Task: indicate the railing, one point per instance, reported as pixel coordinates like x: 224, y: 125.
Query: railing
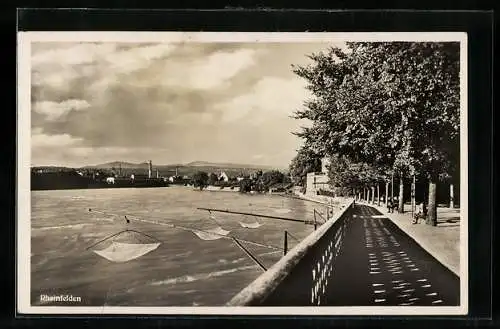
x: 301, y: 277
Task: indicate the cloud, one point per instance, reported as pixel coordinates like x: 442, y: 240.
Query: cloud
x: 270, y: 98
x: 55, y: 110
x: 42, y: 140
x: 169, y: 102
x: 64, y: 54
x: 133, y: 59
x: 219, y: 68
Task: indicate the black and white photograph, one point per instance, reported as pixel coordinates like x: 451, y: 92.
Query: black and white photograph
x: 242, y: 173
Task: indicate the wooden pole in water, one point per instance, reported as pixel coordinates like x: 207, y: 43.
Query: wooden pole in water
x: 248, y: 253
x: 256, y: 215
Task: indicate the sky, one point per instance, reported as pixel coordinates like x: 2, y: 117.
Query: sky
x: 171, y: 103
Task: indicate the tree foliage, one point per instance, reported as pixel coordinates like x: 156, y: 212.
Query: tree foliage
x: 212, y: 179
x: 390, y: 106
x: 304, y: 162
x: 200, y: 179
x: 393, y: 105
x: 343, y: 173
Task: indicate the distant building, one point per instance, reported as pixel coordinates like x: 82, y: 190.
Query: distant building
x: 317, y: 181
x: 139, y: 176
x: 223, y: 177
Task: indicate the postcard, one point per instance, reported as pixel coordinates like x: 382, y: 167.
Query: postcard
x: 242, y: 173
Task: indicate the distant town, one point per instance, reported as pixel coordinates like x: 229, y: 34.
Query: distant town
x: 200, y: 175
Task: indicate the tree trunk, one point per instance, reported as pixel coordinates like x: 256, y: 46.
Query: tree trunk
x: 452, y: 200
x: 386, y: 192
x: 401, y: 194
x: 378, y: 194
x: 392, y: 188
x: 413, y: 204
x: 431, y: 208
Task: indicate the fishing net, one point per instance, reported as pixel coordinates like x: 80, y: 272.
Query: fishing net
x: 212, y: 234
x: 253, y: 225
x: 120, y: 252
x: 125, y: 246
x: 283, y: 211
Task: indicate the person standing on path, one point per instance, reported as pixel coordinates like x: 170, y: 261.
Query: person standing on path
x: 421, y: 212
x: 390, y: 206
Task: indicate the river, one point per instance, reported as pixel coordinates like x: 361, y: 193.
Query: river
x: 183, y: 271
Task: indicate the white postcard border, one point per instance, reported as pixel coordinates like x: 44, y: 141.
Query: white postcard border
x: 23, y: 277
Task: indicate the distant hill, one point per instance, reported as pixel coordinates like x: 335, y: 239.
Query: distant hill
x: 197, y: 164
x: 226, y: 165
x: 116, y: 164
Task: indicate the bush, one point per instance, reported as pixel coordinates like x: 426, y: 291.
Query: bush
x: 326, y: 193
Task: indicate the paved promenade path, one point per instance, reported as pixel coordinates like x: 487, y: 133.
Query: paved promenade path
x: 380, y: 265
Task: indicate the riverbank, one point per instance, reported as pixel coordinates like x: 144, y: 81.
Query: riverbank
x: 212, y: 188
x: 322, y: 199
x: 74, y: 181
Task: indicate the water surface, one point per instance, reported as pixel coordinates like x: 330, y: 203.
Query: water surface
x: 183, y: 271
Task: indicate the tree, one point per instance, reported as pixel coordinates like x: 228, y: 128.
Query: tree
x: 245, y: 185
x: 212, y: 179
x: 200, y: 179
x: 394, y: 106
x: 304, y: 162
x: 272, y: 177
